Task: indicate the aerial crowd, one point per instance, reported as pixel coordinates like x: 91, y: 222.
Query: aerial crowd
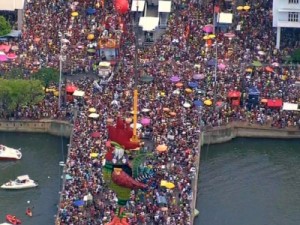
x: 178, y: 99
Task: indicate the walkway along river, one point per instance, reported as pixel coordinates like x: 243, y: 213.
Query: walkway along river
x: 216, y: 135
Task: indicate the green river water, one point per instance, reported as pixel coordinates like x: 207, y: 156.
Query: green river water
x: 250, y: 182
x: 41, y: 156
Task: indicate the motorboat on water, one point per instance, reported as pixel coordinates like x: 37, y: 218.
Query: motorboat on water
x: 13, y: 219
x: 22, y: 182
x: 5, y: 223
x: 9, y: 153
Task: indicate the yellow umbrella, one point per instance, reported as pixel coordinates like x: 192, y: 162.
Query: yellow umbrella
x: 163, y: 94
x: 74, y: 14
x: 94, y: 155
x: 161, y: 148
x: 211, y: 36
x: 249, y: 70
x: 188, y: 90
x: 90, y: 36
x: 247, y: 7
x: 166, y: 184
x: 92, y: 110
x: 240, y: 8
x: 206, y: 37
x: 56, y: 93
x: 208, y: 102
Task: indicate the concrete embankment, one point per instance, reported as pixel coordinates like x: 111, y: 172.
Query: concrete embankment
x: 53, y: 127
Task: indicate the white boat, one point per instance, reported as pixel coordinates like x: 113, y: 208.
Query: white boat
x: 5, y: 223
x: 9, y: 153
x: 21, y: 182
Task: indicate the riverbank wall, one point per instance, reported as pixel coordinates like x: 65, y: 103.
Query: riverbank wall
x: 53, y: 127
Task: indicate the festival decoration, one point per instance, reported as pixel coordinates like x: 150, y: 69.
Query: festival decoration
x: 122, y: 6
x: 123, y: 169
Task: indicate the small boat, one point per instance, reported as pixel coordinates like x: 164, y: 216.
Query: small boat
x: 5, y: 223
x: 9, y: 153
x: 28, y: 212
x: 13, y: 219
x: 21, y: 182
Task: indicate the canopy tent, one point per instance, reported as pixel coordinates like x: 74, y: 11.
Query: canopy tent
x: 225, y: 18
x: 149, y: 23
x: 290, y: 106
x: 253, y: 91
x: 274, y: 103
x: 137, y: 5
x: 13, y: 34
x: 234, y: 94
x: 78, y: 93
x: 164, y: 6
x: 11, y: 5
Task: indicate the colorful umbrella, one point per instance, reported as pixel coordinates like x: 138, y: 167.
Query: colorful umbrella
x: 256, y: 63
x: 145, y: 121
x: 94, y: 115
x: 188, y: 90
x: 198, y: 76
x: 246, y: 7
x: 208, y: 28
x: 3, y: 58
x: 71, y: 89
x: 11, y: 55
x: 78, y: 203
x: 269, y: 69
x: 161, y: 148
x: 146, y: 110
x: 186, y: 105
x: 92, y: 110
x: 138, y: 125
x: 94, y: 155
x: 175, y: 79
x: 179, y: 84
x: 90, y: 36
x: 208, y: 102
x: 193, y: 84
x: 221, y: 66
x: 90, y: 11
x: 276, y: 64
x: 74, y: 14
x: 4, y: 48
x: 229, y: 35
x: 198, y: 103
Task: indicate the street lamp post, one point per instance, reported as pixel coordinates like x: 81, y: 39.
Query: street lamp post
x: 135, y: 92
x: 62, y: 58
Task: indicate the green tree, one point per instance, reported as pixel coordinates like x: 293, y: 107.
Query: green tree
x: 46, y: 76
x: 295, y: 57
x: 19, y: 92
x: 5, y: 27
x: 14, y: 73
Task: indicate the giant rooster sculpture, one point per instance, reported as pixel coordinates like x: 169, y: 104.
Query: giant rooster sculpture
x: 122, y: 169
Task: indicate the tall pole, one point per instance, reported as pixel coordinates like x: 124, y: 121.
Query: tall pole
x: 60, y: 74
x: 135, y: 137
x: 216, y: 60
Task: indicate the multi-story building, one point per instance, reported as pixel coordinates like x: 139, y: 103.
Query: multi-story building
x: 286, y: 13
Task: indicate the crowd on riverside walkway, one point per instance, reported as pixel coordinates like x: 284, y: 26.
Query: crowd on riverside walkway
x: 180, y: 52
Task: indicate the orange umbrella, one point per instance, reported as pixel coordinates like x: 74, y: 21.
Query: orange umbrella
x: 172, y: 113
x: 37, y: 39
x: 179, y: 84
x: 269, y: 69
x: 161, y: 148
x: 264, y: 100
x: 188, y: 90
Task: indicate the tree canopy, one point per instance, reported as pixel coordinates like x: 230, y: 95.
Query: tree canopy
x: 19, y: 92
x: 46, y: 76
x: 5, y: 27
x: 296, y: 56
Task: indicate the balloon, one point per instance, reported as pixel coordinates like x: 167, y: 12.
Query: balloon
x: 122, y: 6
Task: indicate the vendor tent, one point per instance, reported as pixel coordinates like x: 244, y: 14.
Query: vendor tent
x: 149, y: 23
x: 291, y: 106
x: 274, y: 103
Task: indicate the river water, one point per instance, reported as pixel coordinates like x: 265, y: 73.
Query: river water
x: 250, y: 182
x: 41, y: 156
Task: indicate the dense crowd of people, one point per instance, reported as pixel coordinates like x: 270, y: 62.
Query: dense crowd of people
x: 172, y: 62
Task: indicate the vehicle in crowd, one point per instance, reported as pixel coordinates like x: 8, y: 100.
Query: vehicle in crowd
x: 22, y: 182
x: 104, y: 69
x: 7, y: 153
x: 13, y: 219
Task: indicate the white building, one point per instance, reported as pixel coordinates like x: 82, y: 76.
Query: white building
x: 286, y: 13
x: 12, y: 5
